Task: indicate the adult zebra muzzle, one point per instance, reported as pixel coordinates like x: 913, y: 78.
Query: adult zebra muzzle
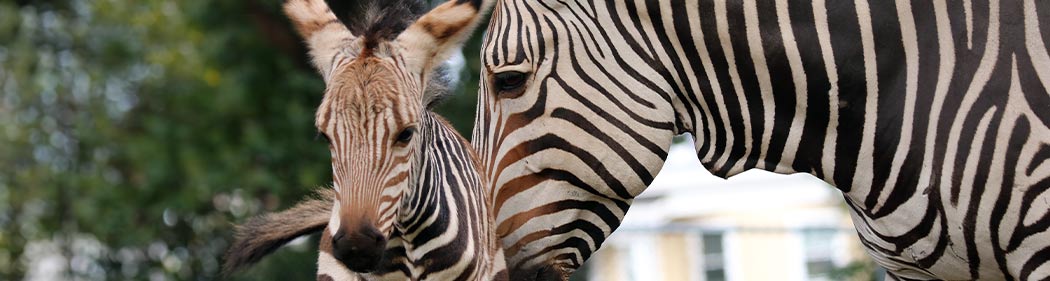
x: 361, y: 249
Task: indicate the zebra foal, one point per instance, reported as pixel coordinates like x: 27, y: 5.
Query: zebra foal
x: 408, y: 201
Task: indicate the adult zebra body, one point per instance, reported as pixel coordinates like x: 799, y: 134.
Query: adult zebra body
x: 409, y: 202
x: 930, y: 116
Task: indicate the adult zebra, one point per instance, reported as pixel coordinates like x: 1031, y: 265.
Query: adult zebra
x: 930, y: 116
x: 409, y: 202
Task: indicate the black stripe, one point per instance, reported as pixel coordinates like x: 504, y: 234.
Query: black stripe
x: 746, y: 69
x: 810, y: 152
x: 849, y: 62
x: 889, y: 55
x: 781, y: 81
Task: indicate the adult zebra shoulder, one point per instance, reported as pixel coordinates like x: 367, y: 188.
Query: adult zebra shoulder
x: 408, y: 201
x: 930, y: 116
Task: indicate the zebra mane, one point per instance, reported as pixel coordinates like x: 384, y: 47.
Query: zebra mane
x: 382, y: 20
x: 377, y: 20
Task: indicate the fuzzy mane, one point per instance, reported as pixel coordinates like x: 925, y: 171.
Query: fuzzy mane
x: 382, y: 20
x: 377, y: 20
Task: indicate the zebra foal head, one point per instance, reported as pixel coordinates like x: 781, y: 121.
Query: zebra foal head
x: 377, y: 63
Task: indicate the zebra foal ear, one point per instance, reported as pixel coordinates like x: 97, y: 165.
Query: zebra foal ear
x: 325, y: 35
x: 431, y: 38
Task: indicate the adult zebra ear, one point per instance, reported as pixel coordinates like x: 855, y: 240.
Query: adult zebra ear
x: 325, y: 35
x: 429, y: 41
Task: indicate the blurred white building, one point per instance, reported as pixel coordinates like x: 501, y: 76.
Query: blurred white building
x: 692, y: 226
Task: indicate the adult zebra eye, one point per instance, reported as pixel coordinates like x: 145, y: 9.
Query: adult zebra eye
x: 405, y: 135
x: 509, y: 81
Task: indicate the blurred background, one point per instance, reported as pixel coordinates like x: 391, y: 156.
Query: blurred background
x: 133, y: 134
x: 692, y: 226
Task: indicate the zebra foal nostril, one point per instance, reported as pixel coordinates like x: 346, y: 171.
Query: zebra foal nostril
x: 338, y: 237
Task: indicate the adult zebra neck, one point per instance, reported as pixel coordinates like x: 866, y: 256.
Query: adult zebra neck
x: 761, y: 84
x: 918, y: 111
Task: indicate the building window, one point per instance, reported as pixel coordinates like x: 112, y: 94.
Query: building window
x: 819, y: 254
x: 714, y: 257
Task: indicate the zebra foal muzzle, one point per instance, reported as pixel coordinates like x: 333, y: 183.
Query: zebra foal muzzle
x: 360, y: 249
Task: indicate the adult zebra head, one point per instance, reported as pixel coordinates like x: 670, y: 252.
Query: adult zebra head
x: 376, y: 65
x: 571, y: 125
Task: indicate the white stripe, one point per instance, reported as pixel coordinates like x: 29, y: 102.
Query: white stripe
x: 972, y: 160
x: 981, y: 77
x: 862, y: 176
x: 705, y: 60
x: 679, y: 52
x: 798, y: 75
x: 621, y: 9
x: 1036, y: 48
x: 723, y: 34
x: 820, y: 17
x: 758, y: 57
x: 911, y: 60
x: 945, y: 69
x: 328, y: 265
x: 333, y: 221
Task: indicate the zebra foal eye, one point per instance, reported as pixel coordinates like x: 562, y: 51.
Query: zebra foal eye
x: 405, y: 135
x: 509, y: 83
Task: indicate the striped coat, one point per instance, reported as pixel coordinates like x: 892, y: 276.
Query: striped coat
x: 930, y: 116
x: 408, y: 201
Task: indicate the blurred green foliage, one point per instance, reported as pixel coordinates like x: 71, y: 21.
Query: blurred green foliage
x: 133, y: 134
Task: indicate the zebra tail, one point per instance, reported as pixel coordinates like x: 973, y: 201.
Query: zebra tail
x: 263, y: 234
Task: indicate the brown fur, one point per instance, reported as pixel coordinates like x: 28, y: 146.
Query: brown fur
x: 367, y: 98
x: 366, y: 86
x: 377, y: 20
x: 263, y: 234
